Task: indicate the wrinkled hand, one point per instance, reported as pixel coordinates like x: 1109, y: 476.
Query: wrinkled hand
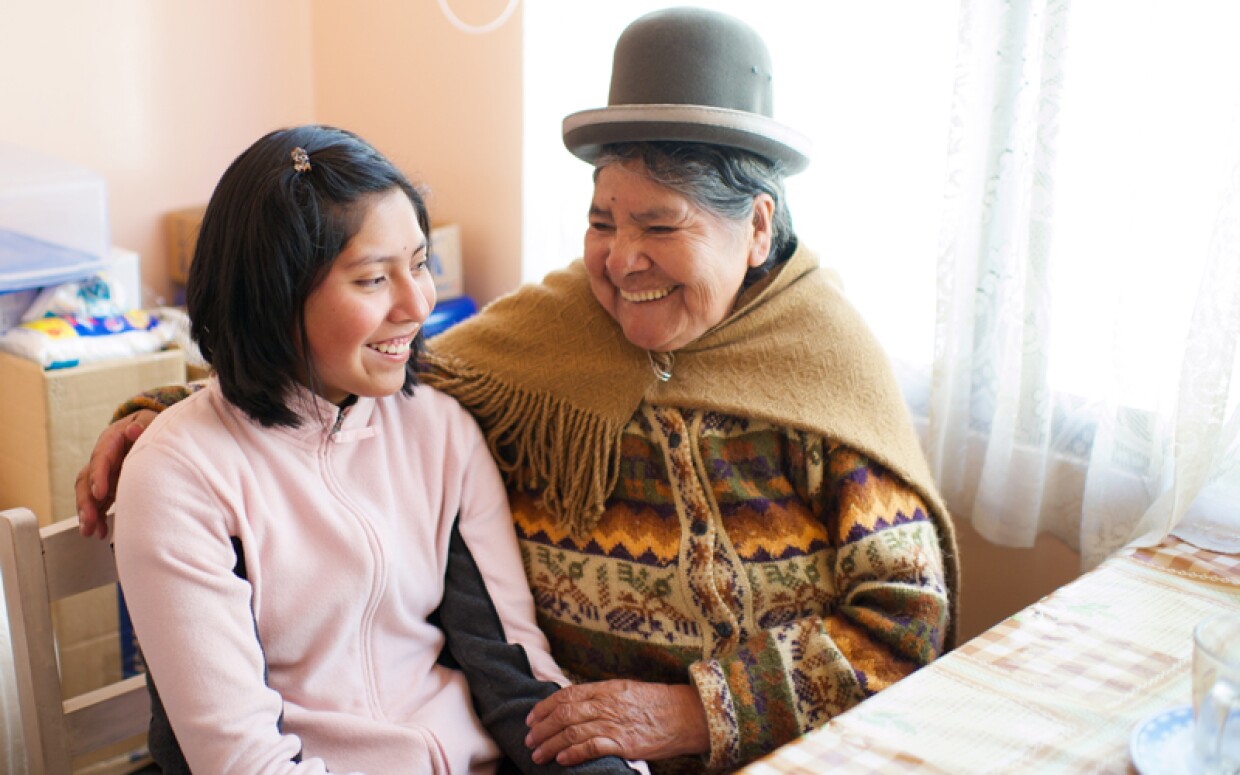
x: 96, y: 482
x: 630, y: 719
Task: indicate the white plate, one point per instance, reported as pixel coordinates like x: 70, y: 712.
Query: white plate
x: 1163, y: 743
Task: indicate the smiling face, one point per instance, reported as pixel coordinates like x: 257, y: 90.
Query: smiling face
x: 664, y: 268
x: 362, y: 319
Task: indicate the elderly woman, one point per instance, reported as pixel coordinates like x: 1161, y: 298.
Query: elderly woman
x: 726, y: 520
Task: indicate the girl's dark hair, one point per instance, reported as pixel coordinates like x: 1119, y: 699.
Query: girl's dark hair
x: 720, y: 180
x: 271, y: 231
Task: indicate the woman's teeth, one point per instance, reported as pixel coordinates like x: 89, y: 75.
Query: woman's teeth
x: 397, y: 347
x: 645, y: 295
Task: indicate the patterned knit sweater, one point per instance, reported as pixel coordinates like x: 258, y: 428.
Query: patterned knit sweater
x: 785, y: 576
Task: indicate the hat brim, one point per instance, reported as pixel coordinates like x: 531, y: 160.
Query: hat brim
x: 587, y: 131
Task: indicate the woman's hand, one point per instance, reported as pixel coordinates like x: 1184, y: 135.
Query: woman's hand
x: 95, y: 487
x: 630, y: 719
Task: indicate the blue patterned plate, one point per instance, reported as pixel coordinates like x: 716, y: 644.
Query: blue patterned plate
x: 1163, y: 743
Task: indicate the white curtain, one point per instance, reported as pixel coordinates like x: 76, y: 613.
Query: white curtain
x: 1089, y: 274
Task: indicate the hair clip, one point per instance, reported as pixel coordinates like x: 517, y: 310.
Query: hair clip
x: 301, y: 160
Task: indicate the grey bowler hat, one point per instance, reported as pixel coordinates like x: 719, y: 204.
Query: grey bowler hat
x: 693, y: 75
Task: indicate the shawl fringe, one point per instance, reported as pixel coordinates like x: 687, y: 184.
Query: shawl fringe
x: 539, y: 441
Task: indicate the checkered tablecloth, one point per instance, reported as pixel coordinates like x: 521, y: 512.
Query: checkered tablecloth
x: 1057, y: 688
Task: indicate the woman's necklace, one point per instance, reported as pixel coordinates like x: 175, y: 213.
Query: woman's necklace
x: 661, y: 364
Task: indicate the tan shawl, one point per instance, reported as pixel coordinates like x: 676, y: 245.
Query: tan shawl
x: 552, y: 381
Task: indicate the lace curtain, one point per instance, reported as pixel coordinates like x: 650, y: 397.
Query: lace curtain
x: 1083, y: 386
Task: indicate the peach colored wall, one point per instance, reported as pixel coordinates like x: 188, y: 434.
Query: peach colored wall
x: 155, y: 96
x: 445, y: 105
x: 998, y: 581
x: 159, y: 96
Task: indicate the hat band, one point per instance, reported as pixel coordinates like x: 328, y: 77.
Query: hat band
x: 702, y: 115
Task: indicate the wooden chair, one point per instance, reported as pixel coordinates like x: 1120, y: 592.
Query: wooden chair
x: 39, y: 567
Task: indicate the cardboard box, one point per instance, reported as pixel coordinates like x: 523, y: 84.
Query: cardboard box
x: 52, y: 419
x: 181, y: 230
x: 93, y: 660
x: 446, y: 262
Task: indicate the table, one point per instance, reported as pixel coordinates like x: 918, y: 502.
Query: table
x: 1056, y: 688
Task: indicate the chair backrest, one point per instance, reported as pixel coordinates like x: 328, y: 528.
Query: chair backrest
x: 40, y: 566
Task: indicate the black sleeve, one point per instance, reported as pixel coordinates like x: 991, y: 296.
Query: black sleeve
x: 500, y: 679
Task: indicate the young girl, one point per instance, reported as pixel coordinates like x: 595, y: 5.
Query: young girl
x: 295, y: 540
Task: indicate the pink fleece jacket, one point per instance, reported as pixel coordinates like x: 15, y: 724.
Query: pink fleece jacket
x: 345, y: 536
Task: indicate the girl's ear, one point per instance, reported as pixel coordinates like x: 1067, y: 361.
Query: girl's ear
x: 763, y: 229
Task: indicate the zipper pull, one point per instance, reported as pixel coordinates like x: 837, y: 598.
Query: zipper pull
x: 339, y: 420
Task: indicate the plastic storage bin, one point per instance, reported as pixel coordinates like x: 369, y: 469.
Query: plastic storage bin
x: 27, y: 262
x: 54, y: 200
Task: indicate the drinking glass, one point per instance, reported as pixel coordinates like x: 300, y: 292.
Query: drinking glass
x: 1216, y: 695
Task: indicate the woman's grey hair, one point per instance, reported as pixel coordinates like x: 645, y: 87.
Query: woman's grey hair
x: 723, y: 181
